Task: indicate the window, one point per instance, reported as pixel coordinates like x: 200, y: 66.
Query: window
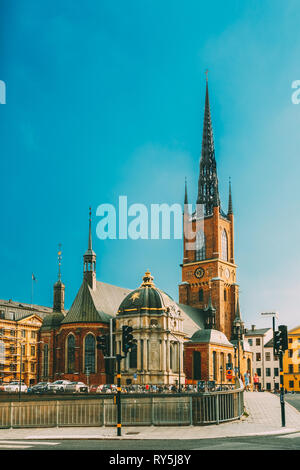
x: 12, y: 332
x: 290, y: 340
x: 250, y: 341
x: 2, y: 314
x: 291, y: 369
x: 225, y: 296
x: 32, y: 367
x: 196, y: 365
x: 32, y: 350
x: 291, y: 384
x: 33, y: 334
x: 258, y: 372
x: 268, y: 386
x: 89, y: 353
x: 133, y: 357
x: 290, y: 353
x: 201, y: 295
x: 268, y: 356
x: 214, y: 365
x: 45, y: 360
x: 258, y: 357
x: 200, y: 246
x: 276, y: 386
x: 268, y: 372
x: 257, y: 341
x: 224, y: 246
x: 276, y: 372
x: 23, y: 349
x: 70, y: 354
x: 23, y: 333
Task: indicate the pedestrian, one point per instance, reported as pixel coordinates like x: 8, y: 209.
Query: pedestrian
x: 256, y: 382
x: 246, y: 380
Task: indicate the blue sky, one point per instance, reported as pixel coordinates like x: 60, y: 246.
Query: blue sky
x: 107, y: 98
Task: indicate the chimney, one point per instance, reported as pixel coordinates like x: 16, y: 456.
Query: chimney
x: 252, y: 327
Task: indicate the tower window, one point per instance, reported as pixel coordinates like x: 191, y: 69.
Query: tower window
x: 225, y: 295
x: 201, y: 295
x: 200, y: 246
x: 224, y: 246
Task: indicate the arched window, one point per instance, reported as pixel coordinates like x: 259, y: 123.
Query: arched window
x: 200, y: 246
x: 46, y: 361
x: 214, y: 365
x: 89, y: 354
x: 196, y: 365
x: 70, y: 354
x: 229, y: 360
x: 224, y: 246
x: 133, y: 357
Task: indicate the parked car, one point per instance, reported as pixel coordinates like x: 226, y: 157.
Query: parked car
x: 41, y: 387
x: 108, y: 388
x: 80, y: 387
x: 14, y: 387
x: 60, y: 386
x: 94, y: 388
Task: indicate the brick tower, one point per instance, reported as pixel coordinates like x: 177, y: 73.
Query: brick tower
x: 208, y: 267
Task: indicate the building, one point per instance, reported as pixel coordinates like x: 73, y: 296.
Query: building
x: 19, y: 329
x: 291, y: 361
x: 195, y: 339
x: 265, y: 364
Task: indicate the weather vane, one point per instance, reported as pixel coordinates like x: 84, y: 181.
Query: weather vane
x: 59, y: 261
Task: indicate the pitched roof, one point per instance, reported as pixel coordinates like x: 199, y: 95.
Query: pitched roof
x: 97, y: 305
x: 260, y: 332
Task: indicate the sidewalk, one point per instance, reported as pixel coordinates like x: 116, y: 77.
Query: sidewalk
x: 264, y: 419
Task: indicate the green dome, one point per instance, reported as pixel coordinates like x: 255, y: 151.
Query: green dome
x: 52, y: 320
x: 146, y: 299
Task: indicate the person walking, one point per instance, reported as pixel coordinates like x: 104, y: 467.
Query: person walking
x: 256, y: 382
x: 246, y: 380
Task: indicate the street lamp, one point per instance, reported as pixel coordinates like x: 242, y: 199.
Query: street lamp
x: 179, y: 360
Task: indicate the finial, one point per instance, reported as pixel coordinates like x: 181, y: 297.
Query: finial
x: 147, y: 280
x: 59, y: 257
x: 90, y: 228
x: 206, y: 73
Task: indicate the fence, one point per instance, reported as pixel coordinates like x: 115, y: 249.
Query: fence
x: 137, y: 410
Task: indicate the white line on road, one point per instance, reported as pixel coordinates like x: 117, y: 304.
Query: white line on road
x: 20, y: 441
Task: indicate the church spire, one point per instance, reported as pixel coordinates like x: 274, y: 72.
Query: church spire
x: 230, y: 210
x: 208, y: 193
x: 89, y: 259
x: 59, y: 287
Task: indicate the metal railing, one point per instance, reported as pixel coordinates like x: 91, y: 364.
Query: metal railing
x: 137, y: 410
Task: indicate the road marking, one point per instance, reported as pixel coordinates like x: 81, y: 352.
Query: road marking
x: 21, y: 441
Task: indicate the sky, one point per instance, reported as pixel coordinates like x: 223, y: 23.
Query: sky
x: 107, y: 98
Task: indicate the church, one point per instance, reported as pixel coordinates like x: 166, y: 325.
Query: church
x: 198, y: 338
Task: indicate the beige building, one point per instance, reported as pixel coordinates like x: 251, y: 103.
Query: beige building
x: 19, y: 326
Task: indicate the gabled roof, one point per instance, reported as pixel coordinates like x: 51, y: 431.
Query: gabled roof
x: 95, y: 306
x: 260, y: 332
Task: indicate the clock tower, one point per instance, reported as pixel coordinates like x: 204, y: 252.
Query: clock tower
x: 208, y: 267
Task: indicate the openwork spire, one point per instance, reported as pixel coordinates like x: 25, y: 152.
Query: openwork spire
x: 208, y: 193
x: 230, y: 209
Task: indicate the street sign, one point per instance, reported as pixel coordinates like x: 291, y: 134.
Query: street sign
x: 228, y: 374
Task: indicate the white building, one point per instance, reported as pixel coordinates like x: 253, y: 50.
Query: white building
x: 260, y: 342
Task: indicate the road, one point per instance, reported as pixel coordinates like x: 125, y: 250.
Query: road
x: 282, y: 442
x: 293, y: 399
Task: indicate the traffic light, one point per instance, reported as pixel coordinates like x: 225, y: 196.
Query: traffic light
x: 103, y: 344
x: 280, y: 339
x: 127, y: 339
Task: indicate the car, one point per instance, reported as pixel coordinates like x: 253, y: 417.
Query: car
x: 80, y: 387
x: 94, y: 388
x: 15, y: 387
x: 41, y: 387
x: 60, y: 386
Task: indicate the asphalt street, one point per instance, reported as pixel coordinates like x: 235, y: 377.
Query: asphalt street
x: 281, y: 442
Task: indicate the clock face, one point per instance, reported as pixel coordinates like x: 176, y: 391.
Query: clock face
x: 199, y: 272
x: 227, y: 273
